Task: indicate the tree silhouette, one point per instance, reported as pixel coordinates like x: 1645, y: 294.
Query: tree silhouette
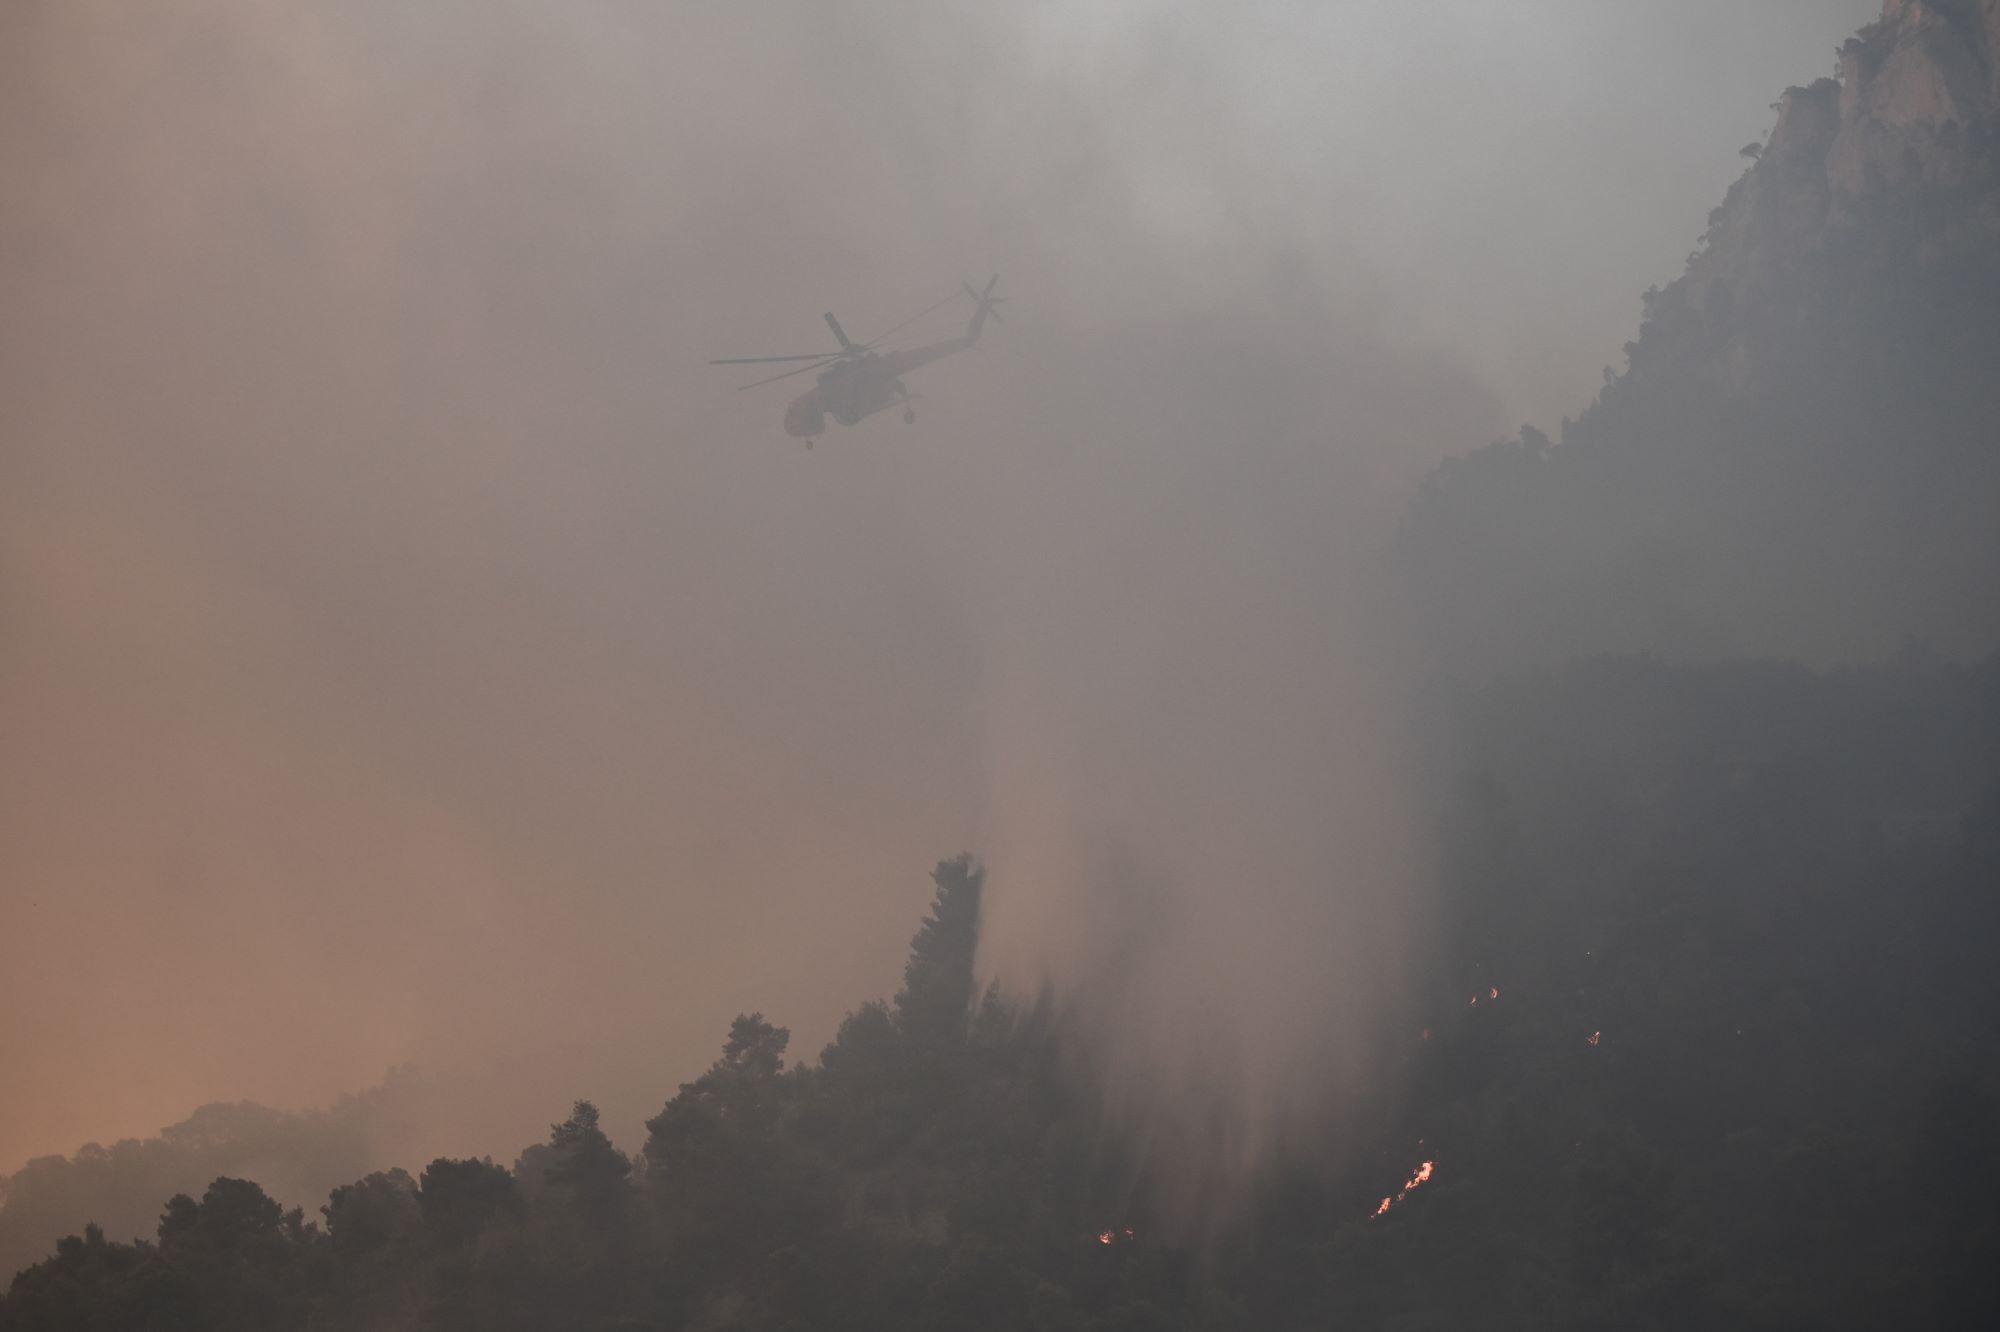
x: 932, y: 1006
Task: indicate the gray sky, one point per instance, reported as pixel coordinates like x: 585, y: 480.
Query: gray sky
x: 410, y: 649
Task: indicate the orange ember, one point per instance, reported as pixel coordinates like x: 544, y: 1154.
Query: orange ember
x: 1106, y: 1236
x: 1592, y: 1038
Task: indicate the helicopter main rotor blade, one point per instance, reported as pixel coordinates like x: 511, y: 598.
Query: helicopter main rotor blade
x: 764, y: 360
x: 849, y: 350
x: 826, y: 360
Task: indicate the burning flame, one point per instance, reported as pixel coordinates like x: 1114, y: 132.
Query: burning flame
x: 1592, y: 1038
x: 1421, y: 1176
x: 1106, y: 1236
x: 1493, y: 992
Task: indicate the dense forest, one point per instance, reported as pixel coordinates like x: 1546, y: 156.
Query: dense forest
x: 1705, y: 1026
x: 1707, y: 1038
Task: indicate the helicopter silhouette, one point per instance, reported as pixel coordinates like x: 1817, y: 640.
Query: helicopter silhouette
x: 857, y: 381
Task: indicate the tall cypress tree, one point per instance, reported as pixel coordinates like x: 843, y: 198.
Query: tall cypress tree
x: 937, y: 982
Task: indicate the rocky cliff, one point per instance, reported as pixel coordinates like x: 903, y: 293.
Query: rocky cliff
x: 1899, y: 153
x: 1802, y: 456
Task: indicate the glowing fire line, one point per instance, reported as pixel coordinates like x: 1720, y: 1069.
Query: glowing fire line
x: 1422, y: 1176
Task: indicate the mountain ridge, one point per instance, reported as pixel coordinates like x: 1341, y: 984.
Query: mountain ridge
x: 1797, y: 459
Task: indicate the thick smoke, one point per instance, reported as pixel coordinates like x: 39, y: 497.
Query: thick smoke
x: 414, y: 652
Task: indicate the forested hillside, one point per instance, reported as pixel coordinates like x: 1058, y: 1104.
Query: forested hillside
x: 1708, y: 1040
x: 294, y: 1154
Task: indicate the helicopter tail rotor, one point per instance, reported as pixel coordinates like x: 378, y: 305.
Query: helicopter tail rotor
x: 982, y: 305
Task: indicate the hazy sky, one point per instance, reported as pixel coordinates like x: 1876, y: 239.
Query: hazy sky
x: 411, y: 650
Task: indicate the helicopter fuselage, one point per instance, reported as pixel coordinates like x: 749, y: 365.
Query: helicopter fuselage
x: 861, y: 387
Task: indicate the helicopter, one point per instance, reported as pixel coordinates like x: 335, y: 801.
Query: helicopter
x: 857, y: 380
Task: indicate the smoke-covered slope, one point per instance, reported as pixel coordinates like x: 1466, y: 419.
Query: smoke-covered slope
x: 1726, y: 930
x: 296, y: 1155
x: 1801, y: 456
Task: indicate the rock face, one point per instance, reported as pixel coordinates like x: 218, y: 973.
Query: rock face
x: 1907, y: 135
x: 1926, y: 64
x: 1802, y: 456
